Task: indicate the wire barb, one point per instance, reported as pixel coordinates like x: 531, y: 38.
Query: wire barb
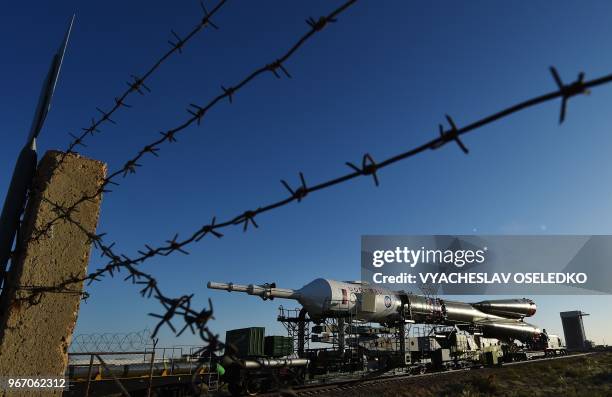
x: 92, y: 129
x: 368, y: 167
x: 228, y: 92
x: 178, y: 45
x: 169, y: 136
x: 198, y: 113
x: 208, y: 229
x: 174, y: 245
x: 206, y: 19
x: 273, y: 67
x: 137, y: 85
x: 245, y: 219
x: 451, y: 135
x: 105, y: 116
x: 319, y: 24
x: 78, y: 141
x: 568, y: 91
x: 130, y: 167
x: 121, y: 102
x: 300, y: 192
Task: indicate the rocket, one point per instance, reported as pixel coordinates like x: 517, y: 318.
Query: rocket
x: 324, y: 298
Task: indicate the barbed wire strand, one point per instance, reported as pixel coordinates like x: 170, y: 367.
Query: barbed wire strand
x: 138, y: 83
x: 197, y: 113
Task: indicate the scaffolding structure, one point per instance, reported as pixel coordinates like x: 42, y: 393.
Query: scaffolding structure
x: 296, y: 323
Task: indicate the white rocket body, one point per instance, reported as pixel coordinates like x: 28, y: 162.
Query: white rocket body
x: 324, y: 298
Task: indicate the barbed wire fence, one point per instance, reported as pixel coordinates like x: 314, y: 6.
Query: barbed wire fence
x: 137, y: 84
x: 196, y: 320
x: 112, y: 342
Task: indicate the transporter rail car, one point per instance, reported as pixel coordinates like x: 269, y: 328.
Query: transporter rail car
x: 359, y: 331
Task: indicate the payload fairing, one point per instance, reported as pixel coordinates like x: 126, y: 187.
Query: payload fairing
x: 324, y: 298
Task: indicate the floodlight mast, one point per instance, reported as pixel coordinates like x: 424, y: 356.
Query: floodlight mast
x: 25, y: 167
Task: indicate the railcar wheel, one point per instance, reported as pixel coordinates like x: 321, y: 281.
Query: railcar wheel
x: 253, y: 387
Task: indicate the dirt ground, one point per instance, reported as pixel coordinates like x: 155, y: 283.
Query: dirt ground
x: 580, y: 376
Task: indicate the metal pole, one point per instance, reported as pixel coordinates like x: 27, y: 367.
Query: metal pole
x: 151, y: 368
x: 402, y: 335
x: 15, y: 201
x: 91, y: 358
x: 25, y: 167
x: 117, y: 381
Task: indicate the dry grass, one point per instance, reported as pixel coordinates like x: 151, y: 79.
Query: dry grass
x: 580, y: 376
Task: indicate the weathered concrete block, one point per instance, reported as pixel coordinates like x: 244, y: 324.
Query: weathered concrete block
x: 34, y: 339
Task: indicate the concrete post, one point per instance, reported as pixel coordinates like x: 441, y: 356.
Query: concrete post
x: 34, y: 339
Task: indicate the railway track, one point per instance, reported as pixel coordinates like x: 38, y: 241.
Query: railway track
x: 355, y: 384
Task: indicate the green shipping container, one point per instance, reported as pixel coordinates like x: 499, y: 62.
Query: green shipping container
x: 278, y: 346
x: 249, y: 342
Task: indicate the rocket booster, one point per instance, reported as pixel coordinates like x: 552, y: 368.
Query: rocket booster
x: 330, y: 298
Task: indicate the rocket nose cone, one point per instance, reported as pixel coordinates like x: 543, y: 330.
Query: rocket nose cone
x: 320, y: 288
x: 316, y: 295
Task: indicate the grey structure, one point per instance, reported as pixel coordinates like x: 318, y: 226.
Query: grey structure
x: 573, y: 329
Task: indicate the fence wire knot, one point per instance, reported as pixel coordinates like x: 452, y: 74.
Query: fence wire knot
x: 300, y: 192
x: 105, y: 116
x: 169, y: 136
x: 245, y: 219
x: 151, y: 149
x: 451, y: 135
x: 92, y: 129
x: 137, y: 84
x: 209, y: 229
x: 130, y: 167
x: 121, y: 102
x: 569, y: 90
x: 368, y: 167
x: 149, y: 252
x: 206, y: 19
x: 174, y: 245
x: 149, y: 288
x: 228, y: 92
x: 179, y: 42
x: 318, y: 25
x: 197, y: 112
x: 77, y: 140
x: 273, y: 67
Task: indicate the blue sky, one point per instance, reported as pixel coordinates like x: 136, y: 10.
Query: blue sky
x: 378, y: 81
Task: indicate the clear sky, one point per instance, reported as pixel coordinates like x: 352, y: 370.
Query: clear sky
x: 378, y: 81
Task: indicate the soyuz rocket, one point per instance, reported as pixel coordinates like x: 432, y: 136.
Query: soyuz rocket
x: 324, y: 298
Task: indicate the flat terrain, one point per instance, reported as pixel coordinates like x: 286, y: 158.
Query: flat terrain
x: 573, y: 376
